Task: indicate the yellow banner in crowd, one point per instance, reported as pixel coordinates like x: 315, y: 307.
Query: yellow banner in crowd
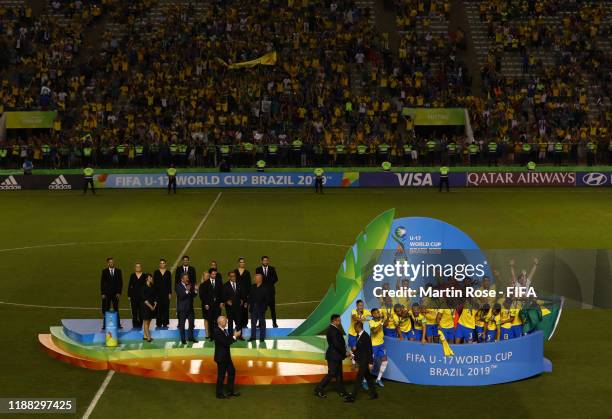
x: 267, y: 59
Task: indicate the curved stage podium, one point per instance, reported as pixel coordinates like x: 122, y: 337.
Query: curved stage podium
x: 281, y: 359
x: 284, y: 359
x: 295, y: 351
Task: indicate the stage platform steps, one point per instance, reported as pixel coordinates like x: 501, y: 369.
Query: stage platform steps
x: 277, y: 360
x: 89, y: 331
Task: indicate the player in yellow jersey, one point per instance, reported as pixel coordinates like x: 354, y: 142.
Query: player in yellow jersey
x: 446, y: 323
x: 390, y: 318
x: 431, y: 324
x: 405, y: 323
x: 404, y: 286
x: 506, y: 319
x: 493, y: 324
x: 385, y: 291
x: 419, y: 324
x: 486, y: 286
x: 517, y: 321
x: 358, y: 314
x: 466, y: 327
x: 378, y: 344
x: 482, y: 318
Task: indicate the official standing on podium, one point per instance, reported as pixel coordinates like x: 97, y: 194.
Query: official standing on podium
x: 336, y: 352
x: 258, y: 303
x: 162, y: 278
x: 185, y: 293
x: 211, y: 295
x: 135, y: 284
x: 185, y: 268
x: 270, y: 278
x: 223, y: 358
x: 234, y: 301
x: 111, y: 285
x: 243, y: 277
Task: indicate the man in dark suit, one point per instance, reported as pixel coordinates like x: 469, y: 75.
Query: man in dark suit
x: 185, y: 293
x: 364, y: 360
x: 336, y: 352
x: 258, y: 303
x: 223, y: 358
x: 234, y: 301
x: 211, y: 295
x: 185, y: 268
x: 111, y: 285
x: 270, y: 278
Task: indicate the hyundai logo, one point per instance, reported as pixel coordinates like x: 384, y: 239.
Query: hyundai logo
x: 595, y: 179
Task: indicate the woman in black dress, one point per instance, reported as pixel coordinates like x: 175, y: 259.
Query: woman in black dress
x: 137, y: 280
x: 243, y: 278
x: 148, y: 306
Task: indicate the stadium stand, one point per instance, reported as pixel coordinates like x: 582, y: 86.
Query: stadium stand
x: 152, y: 86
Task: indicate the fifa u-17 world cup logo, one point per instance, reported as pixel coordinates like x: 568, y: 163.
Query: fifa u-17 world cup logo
x: 399, y: 235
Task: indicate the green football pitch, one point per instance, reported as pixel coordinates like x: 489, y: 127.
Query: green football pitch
x: 54, y: 244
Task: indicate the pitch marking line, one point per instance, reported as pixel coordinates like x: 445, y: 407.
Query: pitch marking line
x: 110, y: 374
x: 99, y: 393
x: 42, y: 246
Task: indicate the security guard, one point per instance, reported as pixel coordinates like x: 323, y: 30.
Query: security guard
x: 46, y: 154
x: 3, y: 156
x: 261, y: 165
x: 273, y: 153
x: 171, y: 172
x: 362, y: 154
x: 249, y: 148
x: 473, y: 150
x: 318, y: 180
x: 407, y: 153
x: 443, y: 179
x: 296, y: 152
x: 531, y: 166
x: 591, y: 149
x: 382, y: 152
x: 492, y: 149
x: 451, y: 149
x: 88, y: 173
x: 87, y: 150
x: 526, y: 148
x: 431, y: 151
x: 340, y: 154
x: 139, y: 154
x: 558, y: 153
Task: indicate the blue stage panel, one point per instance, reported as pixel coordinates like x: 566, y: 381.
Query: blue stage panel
x: 471, y: 365
x: 89, y: 331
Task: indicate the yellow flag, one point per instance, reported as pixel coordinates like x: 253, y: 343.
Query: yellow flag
x: 267, y: 59
x: 447, y: 349
x: 87, y: 137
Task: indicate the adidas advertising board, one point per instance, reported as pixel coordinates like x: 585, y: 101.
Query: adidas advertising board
x: 9, y: 184
x: 60, y: 182
x: 49, y: 182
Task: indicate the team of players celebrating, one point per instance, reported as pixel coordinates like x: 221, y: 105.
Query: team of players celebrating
x: 432, y: 320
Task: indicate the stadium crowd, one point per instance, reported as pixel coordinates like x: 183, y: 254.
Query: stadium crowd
x: 162, y: 92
